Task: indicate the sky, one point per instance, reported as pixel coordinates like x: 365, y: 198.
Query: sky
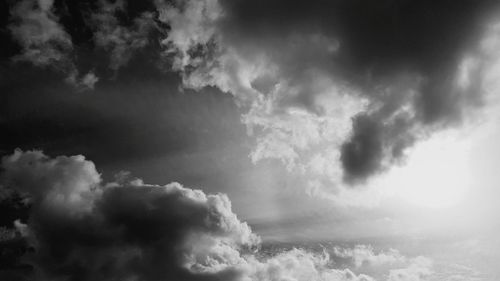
x: 249, y: 140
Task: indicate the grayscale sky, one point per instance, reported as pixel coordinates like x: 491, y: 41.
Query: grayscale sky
x: 250, y: 140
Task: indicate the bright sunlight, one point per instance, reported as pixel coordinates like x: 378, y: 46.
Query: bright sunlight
x: 435, y: 175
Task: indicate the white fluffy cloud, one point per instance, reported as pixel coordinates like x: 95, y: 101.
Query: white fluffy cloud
x: 62, y: 182
x: 300, y: 265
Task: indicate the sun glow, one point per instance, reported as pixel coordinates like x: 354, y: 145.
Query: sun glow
x: 435, y: 175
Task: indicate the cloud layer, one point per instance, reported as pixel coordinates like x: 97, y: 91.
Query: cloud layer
x: 82, y: 229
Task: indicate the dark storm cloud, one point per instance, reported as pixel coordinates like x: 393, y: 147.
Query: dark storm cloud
x: 403, y: 57
x: 421, y: 35
x: 363, y: 153
x: 400, y: 55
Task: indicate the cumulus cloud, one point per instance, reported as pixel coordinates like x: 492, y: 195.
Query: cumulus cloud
x: 83, y: 229
x: 87, y: 231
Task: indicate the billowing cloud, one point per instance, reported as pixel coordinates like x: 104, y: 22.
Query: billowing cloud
x: 301, y: 265
x: 44, y: 41
x: 332, y: 76
x: 63, y: 182
x: 83, y: 229
x: 87, y: 231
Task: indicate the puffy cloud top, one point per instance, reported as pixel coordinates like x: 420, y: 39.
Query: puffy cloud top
x: 87, y: 231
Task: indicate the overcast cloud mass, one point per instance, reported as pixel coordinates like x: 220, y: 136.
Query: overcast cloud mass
x: 249, y: 140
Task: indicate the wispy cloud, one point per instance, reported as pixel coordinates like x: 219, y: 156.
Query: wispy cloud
x: 120, y: 40
x: 44, y: 41
x: 36, y: 28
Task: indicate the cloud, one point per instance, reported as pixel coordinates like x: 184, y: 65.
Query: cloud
x: 36, y: 28
x: 83, y: 229
x: 301, y: 265
x: 65, y: 182
x: 332, y: 76
x: 83, y: 83
x: 192, y: 23
x: 419, y: 269
x: 395, y: 267
x: 120, y: 40
x: 364, y: 255
x: 88, y: 231
x: 304, y: 77
x: 285, y: 121
x: 44, y: 41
